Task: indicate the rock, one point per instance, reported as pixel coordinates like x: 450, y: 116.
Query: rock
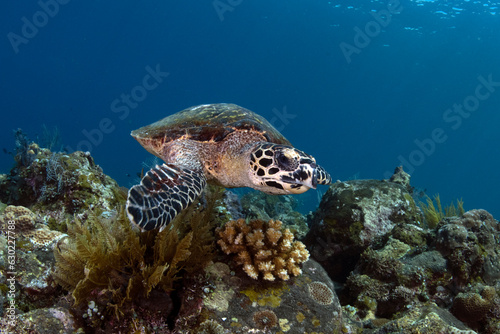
x: 470, y: 244
x: 354, y: 215
x: 258, y: 205
x: 426, y: 318
x: 72, y: 183
x: 238, y: 304
x: 479, y: 307
x: 53, y: 320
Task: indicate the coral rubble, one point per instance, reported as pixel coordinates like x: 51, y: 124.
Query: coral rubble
x: 263, y: 248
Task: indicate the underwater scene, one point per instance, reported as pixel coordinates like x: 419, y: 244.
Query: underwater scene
x: 235, y: 166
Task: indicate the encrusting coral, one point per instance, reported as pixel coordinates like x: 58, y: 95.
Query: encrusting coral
x: 263, y: 248
x: 265, y: 319
x: 27, y: 227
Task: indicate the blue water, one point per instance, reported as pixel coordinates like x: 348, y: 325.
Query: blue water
x: 360, y: 112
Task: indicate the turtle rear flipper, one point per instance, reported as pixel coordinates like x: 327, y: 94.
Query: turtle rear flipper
x: 163, y: 193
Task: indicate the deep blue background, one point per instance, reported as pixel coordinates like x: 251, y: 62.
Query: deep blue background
x: 356, y: 118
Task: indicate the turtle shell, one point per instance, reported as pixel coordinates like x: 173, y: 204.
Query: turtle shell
x: 207, y: 122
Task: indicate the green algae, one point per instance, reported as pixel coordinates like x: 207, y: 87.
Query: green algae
x: 266, y: 297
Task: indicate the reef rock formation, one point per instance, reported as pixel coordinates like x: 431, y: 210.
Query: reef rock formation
x: 259, y: 205
x: 59, y: 183
x: 354, y: 215
x: 235, y: 304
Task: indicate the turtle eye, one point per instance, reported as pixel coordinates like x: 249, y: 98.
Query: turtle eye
x: 283, y: 160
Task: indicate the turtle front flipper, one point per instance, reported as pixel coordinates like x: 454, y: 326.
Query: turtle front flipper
x: 322, y: 176
x: 163, y: 192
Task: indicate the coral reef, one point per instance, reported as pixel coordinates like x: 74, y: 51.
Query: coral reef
x: 321, y: 293
x: 265, y: 319
x: 258, y: 205
x: 426, y: 318
x: 26, y: 227
x: 434, y: 215
x: 210, y: 327
x: 45, y: 181
x: 398, y: 272
x: 263, y: 248
x: 108, y: 264
x: 354, y: 215
x: 270, y: 307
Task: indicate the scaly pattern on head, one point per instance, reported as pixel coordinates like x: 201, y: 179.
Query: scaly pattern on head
x: 282, y: 169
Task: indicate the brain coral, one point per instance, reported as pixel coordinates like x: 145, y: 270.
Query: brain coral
x: 263, y: 247
x: 321, y: 293
x: 472, y: 307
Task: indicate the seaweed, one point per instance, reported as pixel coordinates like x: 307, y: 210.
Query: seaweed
x: 434, y: 215
x: 106, y: 261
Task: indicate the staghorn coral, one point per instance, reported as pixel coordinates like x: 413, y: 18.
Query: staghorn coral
x: 263, y: 248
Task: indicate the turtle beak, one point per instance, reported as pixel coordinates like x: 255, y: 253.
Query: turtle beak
x: 305, y: 176
x: 310, y: 182
x: 314, y: 179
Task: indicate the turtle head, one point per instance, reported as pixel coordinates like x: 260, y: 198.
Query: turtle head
x: 281, y: 169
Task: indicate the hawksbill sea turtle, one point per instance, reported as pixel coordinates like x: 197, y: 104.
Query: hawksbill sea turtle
x: 222, y: 144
